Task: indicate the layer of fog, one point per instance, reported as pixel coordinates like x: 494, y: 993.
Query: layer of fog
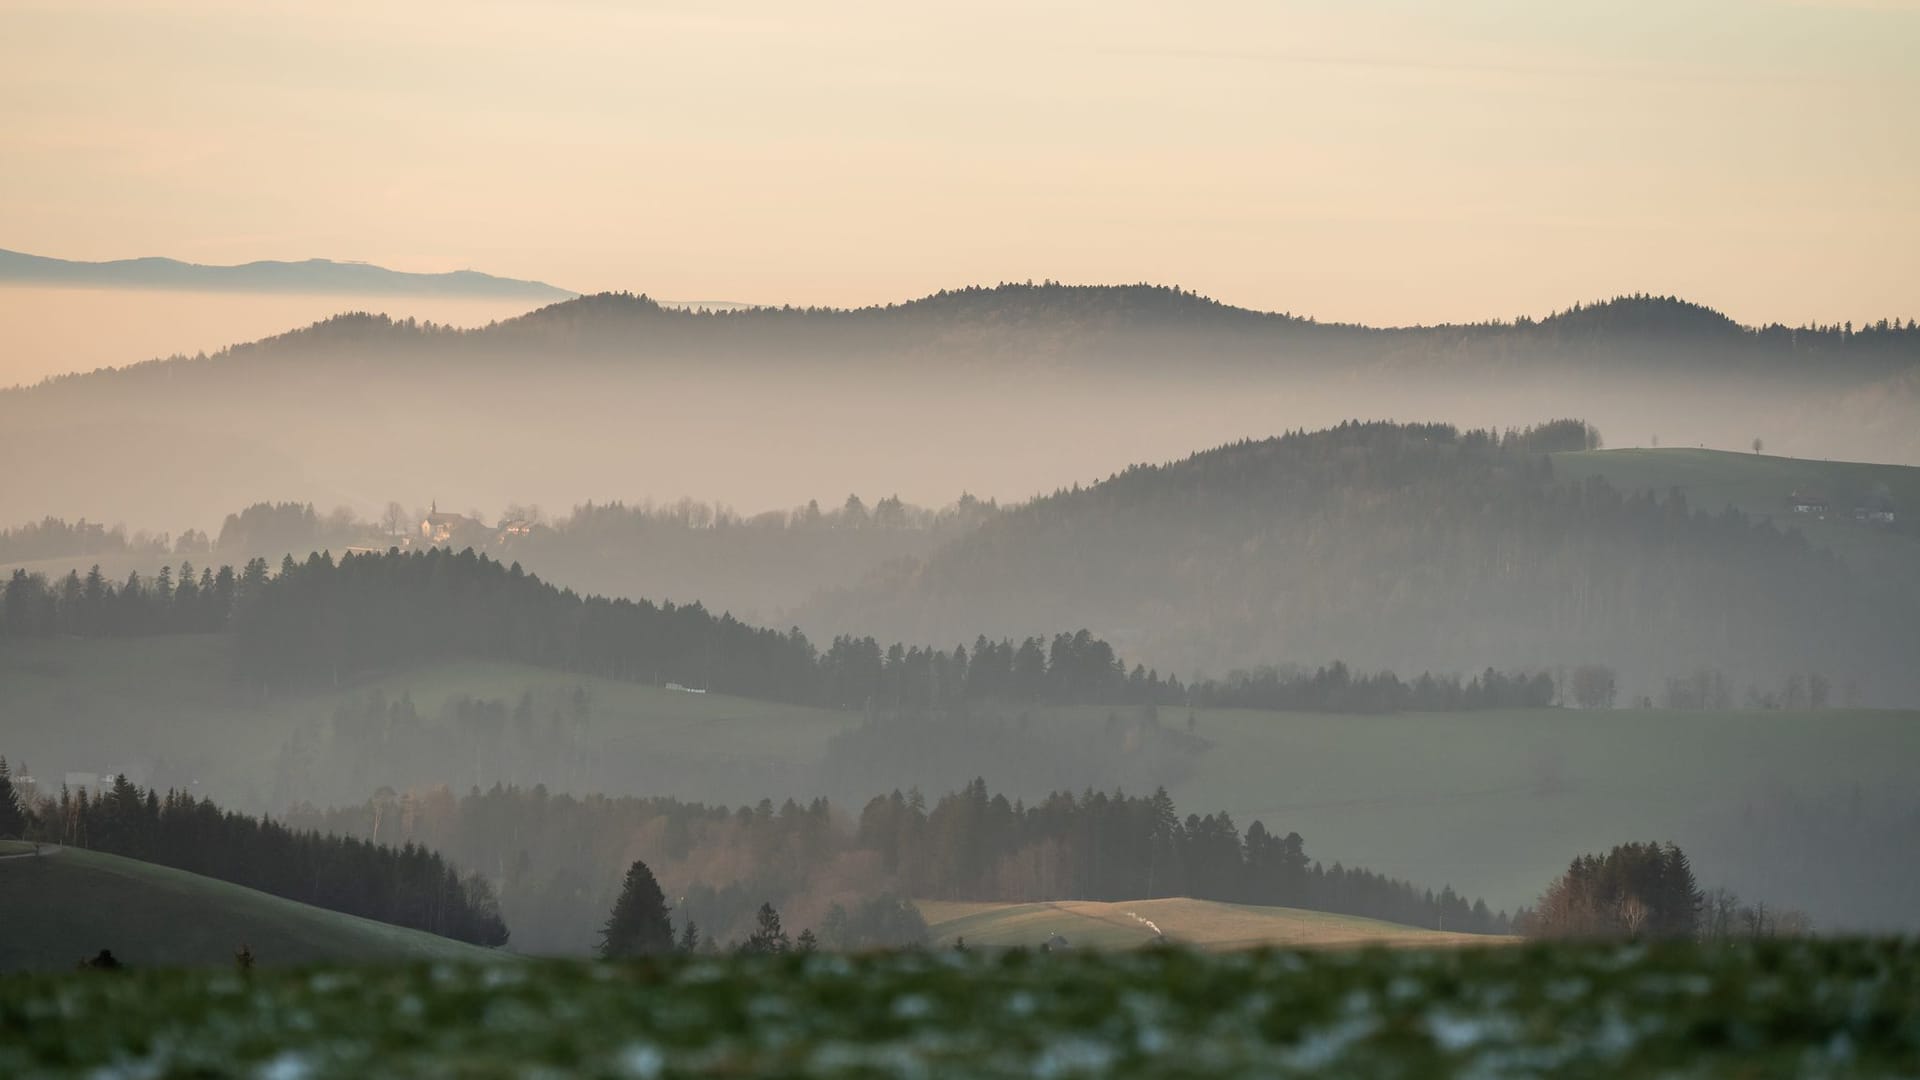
x: 486, y: 438
x: 1802, y: 810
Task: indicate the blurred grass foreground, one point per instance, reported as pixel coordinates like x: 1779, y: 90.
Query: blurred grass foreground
x: 1773, y: 1008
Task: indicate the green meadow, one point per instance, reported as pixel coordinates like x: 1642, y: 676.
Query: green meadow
x: 64, y: 905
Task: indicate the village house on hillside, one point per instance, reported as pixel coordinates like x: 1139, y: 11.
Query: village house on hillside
x: 1807, y: 503
x: 1874, y: 510
x: 438, y: 528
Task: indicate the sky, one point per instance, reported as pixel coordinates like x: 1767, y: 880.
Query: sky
x: 1370, y: 160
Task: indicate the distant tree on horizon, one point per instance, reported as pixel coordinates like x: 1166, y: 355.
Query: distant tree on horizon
x: 767, y: 937
x: 1594, y: 686
x: 638, y: 925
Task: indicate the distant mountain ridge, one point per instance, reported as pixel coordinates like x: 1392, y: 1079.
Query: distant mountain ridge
x: 1049, y: 326
x: 618, y: 396
x: 1109, y: 328
x: 308, y: 275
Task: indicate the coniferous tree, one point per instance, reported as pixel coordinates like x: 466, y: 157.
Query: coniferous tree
x: 405, y: 886
x: 767, y: 936
x: 1633, y: 890
x: 638, y: 925
x: 13, y: 815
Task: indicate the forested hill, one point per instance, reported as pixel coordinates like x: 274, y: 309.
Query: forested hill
x: 1114, y: 327
x: 615, y: 397
x: 323, y: 623
x: 1412, y: 547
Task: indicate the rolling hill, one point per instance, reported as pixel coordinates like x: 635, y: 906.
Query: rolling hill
x: 1202, y: 924
x: 1420, y: 547
x: 618, y: 397
x: 1795, y: 807
x: 1759, y: 485
x: 168, y: 711
x: 66, y: 904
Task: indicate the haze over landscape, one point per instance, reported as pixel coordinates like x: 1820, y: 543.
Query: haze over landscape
x: 651, y: 540
x: 1389, y: 163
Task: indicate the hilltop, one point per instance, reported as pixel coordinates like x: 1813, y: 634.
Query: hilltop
x: 1762, y: 487
x: 66, y: 904
x: 1117, y: 327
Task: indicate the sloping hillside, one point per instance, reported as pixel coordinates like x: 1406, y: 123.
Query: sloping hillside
x: 1795, y: 806
x: 1760, y: 485
x: 65, y: 905
x: 1204, y: 924
x: 1410, y: 547
x: 167, y: 710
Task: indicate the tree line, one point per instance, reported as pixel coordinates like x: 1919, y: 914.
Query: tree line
x: 642, y: 924
x: 1124, y: 319
x: 322, y: 621
x: 280, y: 527
x: 974, y: 845
x: 558, y: 859
x: 96, y: 606
x: 58, y: 538
x: 261, y: 527
x: 407, y: 886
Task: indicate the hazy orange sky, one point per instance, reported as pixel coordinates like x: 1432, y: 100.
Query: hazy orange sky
x: 1387, y: 162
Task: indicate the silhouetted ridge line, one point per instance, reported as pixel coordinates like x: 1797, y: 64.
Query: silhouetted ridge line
x: 266, y: 275
x: 1099, y: 326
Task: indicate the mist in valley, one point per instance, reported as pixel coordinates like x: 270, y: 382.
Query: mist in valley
x: 1182, y: 483
x: 1003, y: 394
x: 663, y: 539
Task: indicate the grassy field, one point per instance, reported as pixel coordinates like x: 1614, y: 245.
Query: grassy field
x: 1823, y: 1008
x: 169, y: 711
x: 1201, y: 924
x: 65, y: 905
x: 1758, y: 485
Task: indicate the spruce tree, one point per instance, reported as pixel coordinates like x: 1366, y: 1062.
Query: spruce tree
x: 638, y: 925
x: 13, y: 816
x: 767, y: 936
